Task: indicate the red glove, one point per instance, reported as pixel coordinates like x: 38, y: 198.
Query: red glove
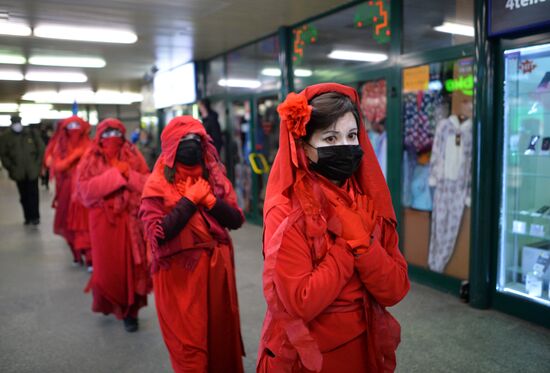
x: 209, y: 201
x: 196, y: 191
x: 357, y: 224
x: 365, y: 207
x: 123, y: 167
x: 353, y: 230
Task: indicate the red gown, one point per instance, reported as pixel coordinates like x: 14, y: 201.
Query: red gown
x: 120, y: 280
x: 325, y: 306
x: 193, y: 273
x: 71, y: 218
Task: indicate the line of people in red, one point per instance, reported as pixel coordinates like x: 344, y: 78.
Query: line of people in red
x: 330, y: 244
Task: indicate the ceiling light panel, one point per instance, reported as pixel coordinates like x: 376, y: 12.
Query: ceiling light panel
x: 89, y: 34
x: 84, y: 62
x: 357, y: 56
x: 11, y: 75
x: 456, y: 29
x: 56, y: 76
x: 12, y: 59
x: 14, y: 29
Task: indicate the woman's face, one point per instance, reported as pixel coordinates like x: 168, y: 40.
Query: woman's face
x: 342, y: 132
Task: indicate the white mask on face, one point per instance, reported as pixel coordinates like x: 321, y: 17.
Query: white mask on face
x: 17, y: 127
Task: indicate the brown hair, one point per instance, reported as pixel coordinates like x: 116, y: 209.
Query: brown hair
x: 327, y: 109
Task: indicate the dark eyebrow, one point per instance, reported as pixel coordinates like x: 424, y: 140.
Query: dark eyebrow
x: 330, y: 131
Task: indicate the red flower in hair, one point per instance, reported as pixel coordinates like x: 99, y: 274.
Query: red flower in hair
x: 295, y: 112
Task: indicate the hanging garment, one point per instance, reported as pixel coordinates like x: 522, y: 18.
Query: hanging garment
x: 380, y: 145
x: 450, y: 175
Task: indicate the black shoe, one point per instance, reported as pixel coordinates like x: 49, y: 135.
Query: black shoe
x: 27, y: 222
x: 130, y: 324
x: 35, y: 222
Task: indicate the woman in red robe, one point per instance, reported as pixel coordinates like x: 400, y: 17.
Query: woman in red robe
x: 332, y: 262
x: 187, y: 206
x: 111, y: 176
x: 69, y: 144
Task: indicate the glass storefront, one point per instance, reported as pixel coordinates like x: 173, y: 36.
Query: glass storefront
x: 524, y: 250
x: 329, y: 48
x: 430, y: 25
x: 436, y: 170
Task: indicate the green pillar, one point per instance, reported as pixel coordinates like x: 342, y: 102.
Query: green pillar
x: 285, y: 60
x: 483, y: 181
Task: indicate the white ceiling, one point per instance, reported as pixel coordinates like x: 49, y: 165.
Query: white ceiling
x: 170, y: 33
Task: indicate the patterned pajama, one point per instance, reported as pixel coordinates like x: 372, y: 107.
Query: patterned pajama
x: 450, y: 174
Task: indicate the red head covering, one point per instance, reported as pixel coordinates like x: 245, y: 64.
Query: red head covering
x: 369, y: 176
x: 106, y: 124
x: 62, y: 137
x: 178, y: 128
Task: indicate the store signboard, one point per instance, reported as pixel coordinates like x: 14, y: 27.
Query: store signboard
x: 506, y: 16
x: 416, y: 78
x: 175, y: 87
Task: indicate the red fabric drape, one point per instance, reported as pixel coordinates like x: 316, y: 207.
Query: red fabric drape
x: 120, y: 280
x: 321, y: 299
x: 71, y: 218
x: 195, y: 290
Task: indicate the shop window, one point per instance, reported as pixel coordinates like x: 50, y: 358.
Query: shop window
x: 429, y: 24
x: 373, y: 108
x: 437, y: 158
x: 254, y: 68
x: 524, y: 255
x: 214, y: 72
x: 326, y: 49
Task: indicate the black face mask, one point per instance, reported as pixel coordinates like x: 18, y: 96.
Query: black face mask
x: 337, y: 162
x: 189, y: 152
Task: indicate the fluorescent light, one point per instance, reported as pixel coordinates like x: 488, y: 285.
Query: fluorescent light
x: 303, y: 73
x: 10, y: 75
x: 92, y: 34
x: 456, y: 28
x: 274, y: 71
x: 271, y: 71
x: 56, y: 76
x: 357, y: 56
x: 12, y: 59
x: 8, y: 107
x: 91, y: 62
x: 34, y: 108
x: 14, y: 29
x: 84, y: 96
x: 240, y: 83
x: 5, y: 120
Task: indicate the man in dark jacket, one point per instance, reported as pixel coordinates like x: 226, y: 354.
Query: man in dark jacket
x: 211, y: 124
x: 21, y: 151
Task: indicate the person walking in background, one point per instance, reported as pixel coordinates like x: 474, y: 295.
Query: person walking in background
x: 147, y: 149
x: 332, y: 261
x: 22, y: 150
x: 71, y: 217
x: 111, y: 176
x: 211, y: 124
x: 187, y: 206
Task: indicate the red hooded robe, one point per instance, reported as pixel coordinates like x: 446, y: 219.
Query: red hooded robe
x: 325, y: 306
x: 71, y: 218
x: 120, y: 280
x: 194, y: 278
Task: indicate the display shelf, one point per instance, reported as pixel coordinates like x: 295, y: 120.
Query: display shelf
x: 518, y: 289
x: 545, y: 237
x: 527, y: 174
